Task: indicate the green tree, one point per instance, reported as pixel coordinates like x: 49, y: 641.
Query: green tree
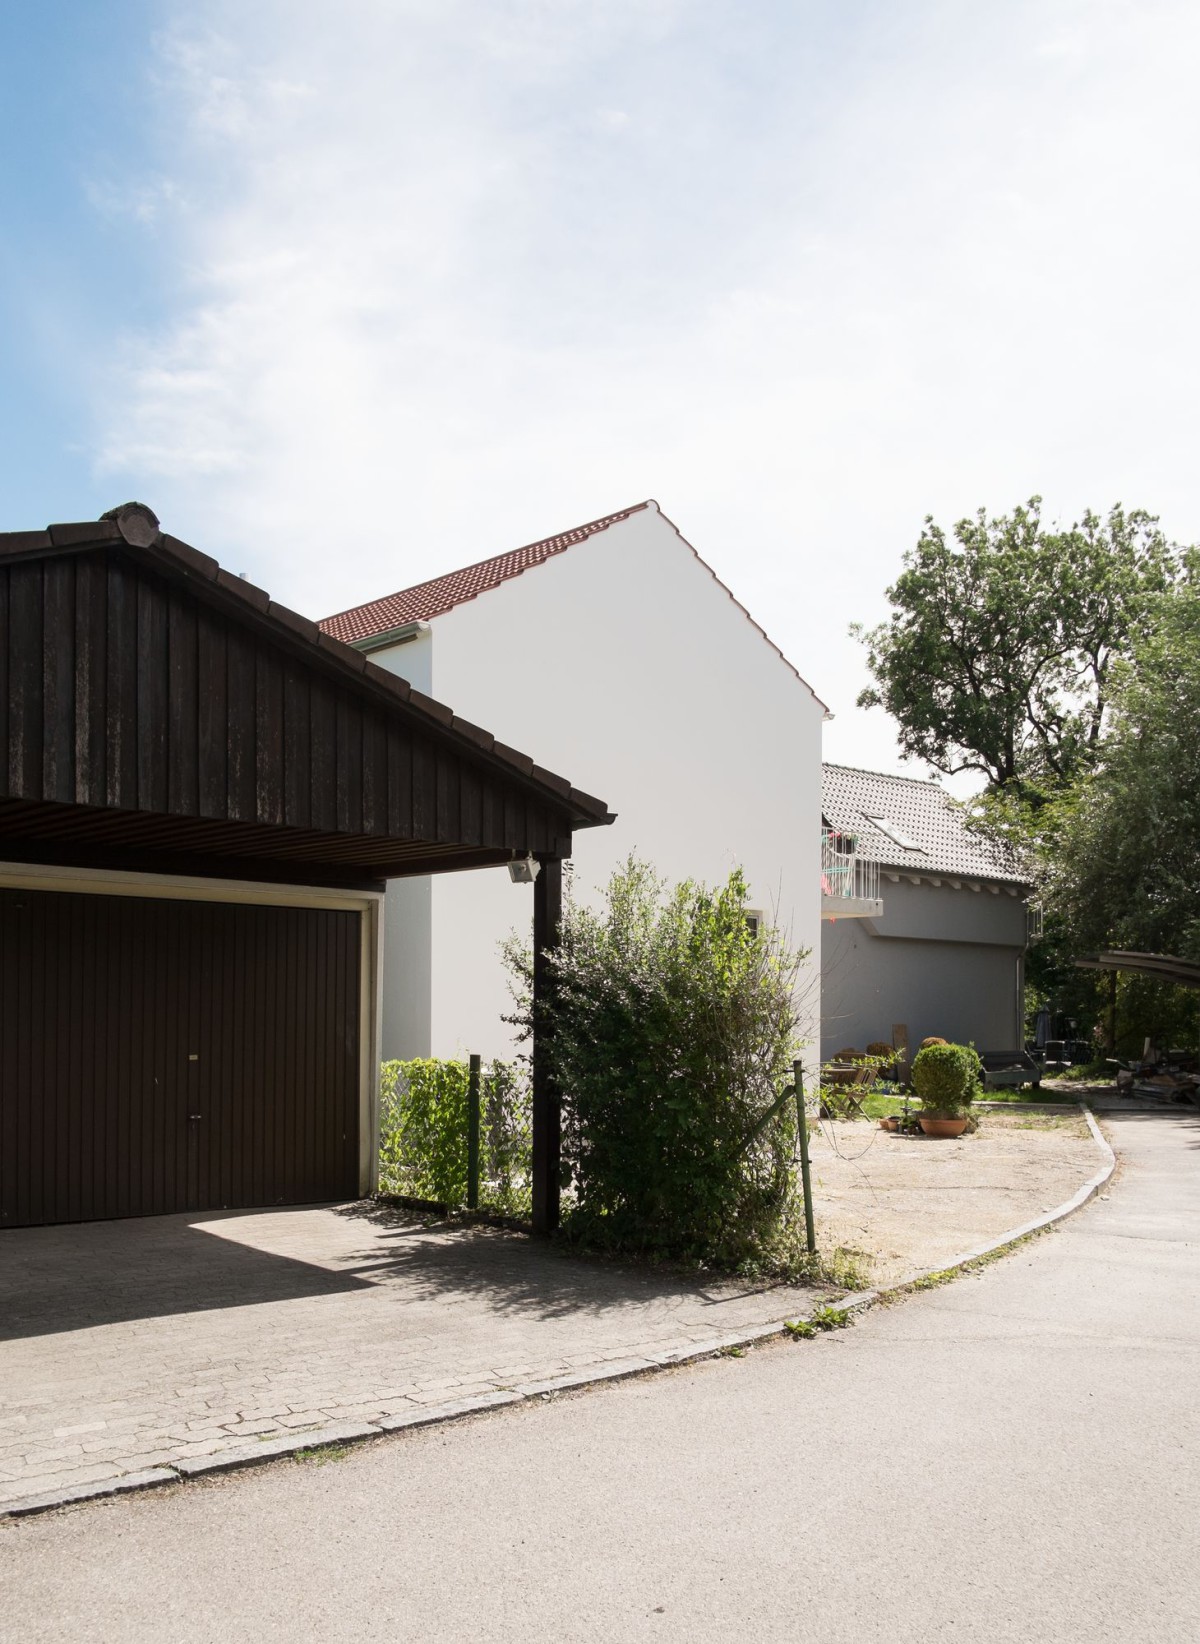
x: 999, y: 653
x: 1125, y: 870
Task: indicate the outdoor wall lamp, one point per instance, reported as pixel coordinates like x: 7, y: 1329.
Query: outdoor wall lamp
x: 524, y: 872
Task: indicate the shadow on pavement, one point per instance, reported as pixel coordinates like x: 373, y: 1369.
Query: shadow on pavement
x: 54, y: 1279
x: 516, y: 1273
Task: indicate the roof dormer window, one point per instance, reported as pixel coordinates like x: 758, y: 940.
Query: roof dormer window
x: 894, y: 832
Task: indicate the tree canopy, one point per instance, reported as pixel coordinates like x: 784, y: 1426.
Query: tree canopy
x: 1125, y: 868
x: 999, y: 653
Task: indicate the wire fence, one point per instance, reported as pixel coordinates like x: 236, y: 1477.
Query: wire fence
x: 458, y: 1133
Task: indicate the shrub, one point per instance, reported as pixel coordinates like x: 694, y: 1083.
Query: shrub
x: 423, y: 1129
x: 423, y: 1133
x: 925, y: 1043
x: 946, y: 1078
x: 881, y: 1049
x: 847, y: 1055
x: 506, y: 1140
x: 673, y: 1029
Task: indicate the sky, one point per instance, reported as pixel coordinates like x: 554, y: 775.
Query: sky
x: 353, y: 292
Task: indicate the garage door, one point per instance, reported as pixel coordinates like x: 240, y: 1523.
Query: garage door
x: 165, y: 1055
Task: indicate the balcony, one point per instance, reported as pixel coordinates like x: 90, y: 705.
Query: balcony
x: 849, y: 886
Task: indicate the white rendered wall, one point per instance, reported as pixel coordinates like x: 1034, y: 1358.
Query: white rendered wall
x: 623, y: 665
x: 407, y: 1013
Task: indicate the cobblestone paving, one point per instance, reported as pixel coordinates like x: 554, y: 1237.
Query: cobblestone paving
x: 129, y: 1345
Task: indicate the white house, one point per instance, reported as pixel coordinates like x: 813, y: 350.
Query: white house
x: 616, y: 651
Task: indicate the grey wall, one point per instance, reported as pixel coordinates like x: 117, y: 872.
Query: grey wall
x: 942, y: 961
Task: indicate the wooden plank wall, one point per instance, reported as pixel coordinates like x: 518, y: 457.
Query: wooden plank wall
x: 120, y: 690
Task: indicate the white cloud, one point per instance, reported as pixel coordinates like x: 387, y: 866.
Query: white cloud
x: 844, y: 266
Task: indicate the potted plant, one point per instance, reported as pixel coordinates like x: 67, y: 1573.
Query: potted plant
x: 946, y: 1078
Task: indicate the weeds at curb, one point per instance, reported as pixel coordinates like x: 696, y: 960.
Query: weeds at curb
x: 321, y: 1453
x: 799, y: 1329
x: 824, y: 1318
x: 831, y: 1318
x: 947, y: 1275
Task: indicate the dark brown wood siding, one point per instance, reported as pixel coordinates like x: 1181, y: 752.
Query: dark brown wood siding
x: 167, y: 1055
x: 123, y: 691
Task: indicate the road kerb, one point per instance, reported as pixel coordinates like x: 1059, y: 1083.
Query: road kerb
x: 72, y: 1494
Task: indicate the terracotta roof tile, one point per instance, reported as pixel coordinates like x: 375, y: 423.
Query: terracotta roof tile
x: 441, y: 594
x: 428, y: 600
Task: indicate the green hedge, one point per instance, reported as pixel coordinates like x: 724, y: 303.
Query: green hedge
x: 423, y: 1133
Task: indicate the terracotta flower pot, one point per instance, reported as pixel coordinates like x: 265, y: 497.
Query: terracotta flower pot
x: 934, y: 1126
x: 889, y: 1124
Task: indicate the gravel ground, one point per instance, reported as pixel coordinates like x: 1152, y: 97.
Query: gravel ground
x: 905, y: 1203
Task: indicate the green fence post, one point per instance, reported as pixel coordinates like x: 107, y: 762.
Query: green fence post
x: 802, y: 1121
x: 473, y: 1136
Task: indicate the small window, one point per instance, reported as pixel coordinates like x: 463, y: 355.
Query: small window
x: 894, y: 832
x: 755, y: 922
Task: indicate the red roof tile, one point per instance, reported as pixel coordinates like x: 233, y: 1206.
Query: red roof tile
x: 441, y: 594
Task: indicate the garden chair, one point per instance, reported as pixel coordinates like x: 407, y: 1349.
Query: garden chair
x: 853, y: 1083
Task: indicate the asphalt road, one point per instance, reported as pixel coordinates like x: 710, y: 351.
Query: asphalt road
x: 1011, y: 1457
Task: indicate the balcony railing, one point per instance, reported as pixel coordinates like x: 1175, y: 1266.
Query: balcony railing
x: 849, y: 885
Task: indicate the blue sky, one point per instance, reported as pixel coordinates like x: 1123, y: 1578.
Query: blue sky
x: 354, y: 293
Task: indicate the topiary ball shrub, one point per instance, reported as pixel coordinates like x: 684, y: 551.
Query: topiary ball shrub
x: 934, y: 1040
x: 946, y: 1078
x: 847, y: 1055
x: 880, y: 1047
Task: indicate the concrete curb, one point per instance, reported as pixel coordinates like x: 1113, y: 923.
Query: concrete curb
x: 344, y: 1433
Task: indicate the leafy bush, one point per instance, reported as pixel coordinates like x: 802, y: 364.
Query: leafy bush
x: 882, y: 1050
x: 423, y: 1129
x: 423, y: 1133
x: 506, y: 1140
x: 673, y: 1029
x: 946, y: 1078
x: 934, y: 1040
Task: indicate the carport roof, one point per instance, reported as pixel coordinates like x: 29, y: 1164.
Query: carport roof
x: 387, y: 706
x: 1165, y: 966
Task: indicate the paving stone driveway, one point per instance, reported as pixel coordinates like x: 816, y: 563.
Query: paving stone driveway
x: 127, y: 1345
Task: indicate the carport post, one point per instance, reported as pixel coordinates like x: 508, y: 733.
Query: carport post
x: 547, y: 1106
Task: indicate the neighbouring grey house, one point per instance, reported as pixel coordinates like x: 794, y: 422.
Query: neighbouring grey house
x: 924, y: 923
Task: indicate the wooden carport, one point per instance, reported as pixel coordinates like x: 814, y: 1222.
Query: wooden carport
x: 171, y: 736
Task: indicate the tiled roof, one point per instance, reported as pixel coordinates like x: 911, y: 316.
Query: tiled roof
x: 920, y: 811
x: 441, y: 594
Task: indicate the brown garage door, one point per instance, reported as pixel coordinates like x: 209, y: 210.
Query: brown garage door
x: 160, y: 1056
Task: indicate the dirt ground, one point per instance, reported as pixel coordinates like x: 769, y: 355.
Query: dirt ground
x: 907, y: 1203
